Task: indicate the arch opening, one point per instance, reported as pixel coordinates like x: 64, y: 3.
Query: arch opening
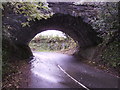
x: 53, y: 40
x: 75, y: 27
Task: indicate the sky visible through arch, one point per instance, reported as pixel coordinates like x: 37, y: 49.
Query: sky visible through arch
x: 52, y: 33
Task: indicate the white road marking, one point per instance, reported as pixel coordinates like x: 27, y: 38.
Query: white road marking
x: 73, y: 78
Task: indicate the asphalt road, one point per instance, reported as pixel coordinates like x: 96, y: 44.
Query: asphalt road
x: 54, y: 70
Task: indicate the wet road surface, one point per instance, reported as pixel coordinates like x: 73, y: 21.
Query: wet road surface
x: 54, y: 70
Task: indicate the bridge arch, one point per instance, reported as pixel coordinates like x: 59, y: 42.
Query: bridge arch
x: 64, y: 19
x: 75, y: 27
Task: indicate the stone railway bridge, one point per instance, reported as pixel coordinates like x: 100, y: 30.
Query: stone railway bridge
x: 71, y: 19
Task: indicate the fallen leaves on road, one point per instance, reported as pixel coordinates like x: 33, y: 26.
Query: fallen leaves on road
x: 14, y: 76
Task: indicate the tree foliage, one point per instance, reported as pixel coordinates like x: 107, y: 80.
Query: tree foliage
x: 31, y: 10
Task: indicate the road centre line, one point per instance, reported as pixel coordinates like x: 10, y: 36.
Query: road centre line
x: 72, y: 78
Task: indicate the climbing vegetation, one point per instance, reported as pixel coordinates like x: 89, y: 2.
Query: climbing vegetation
x: 111, y: 54
x: 106, y: 23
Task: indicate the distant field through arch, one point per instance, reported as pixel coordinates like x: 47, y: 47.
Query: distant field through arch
x: 52, y: 40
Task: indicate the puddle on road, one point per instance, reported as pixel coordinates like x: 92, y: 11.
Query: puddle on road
x: 46, y: 77
x: 44, y: 69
